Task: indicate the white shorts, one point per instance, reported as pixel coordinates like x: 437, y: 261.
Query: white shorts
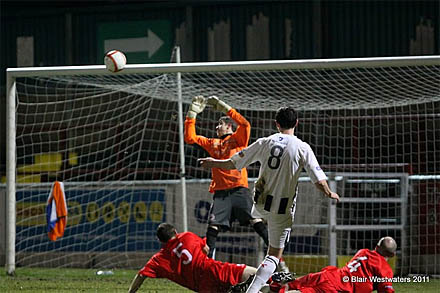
x: 279, y: 226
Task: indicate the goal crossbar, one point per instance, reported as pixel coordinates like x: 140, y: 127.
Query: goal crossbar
x: 230, y: 66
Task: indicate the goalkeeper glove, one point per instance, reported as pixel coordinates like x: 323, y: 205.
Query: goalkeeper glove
x: 218, y: 105
x: 196, y: 107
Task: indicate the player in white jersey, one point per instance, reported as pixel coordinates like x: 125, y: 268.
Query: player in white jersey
x: 282, y: 157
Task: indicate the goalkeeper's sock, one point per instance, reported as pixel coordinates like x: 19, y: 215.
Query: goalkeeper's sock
x: 211, y: 238
x: 261, y: 230
x: 265, y: 270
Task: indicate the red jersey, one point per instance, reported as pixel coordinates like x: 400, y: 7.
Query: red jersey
x: 223, y: 148
x: 365, y: 272
x: 183, y: 261
x: 368, y: 271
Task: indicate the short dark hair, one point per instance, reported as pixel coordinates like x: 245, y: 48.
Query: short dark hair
x: 165, y: 232
x: 227, y: 120
x: 286, y: 117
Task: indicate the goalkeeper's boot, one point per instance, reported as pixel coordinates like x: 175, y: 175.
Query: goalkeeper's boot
x: 282, y: 277
x: 243, y: 286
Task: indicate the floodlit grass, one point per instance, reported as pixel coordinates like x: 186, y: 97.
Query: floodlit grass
x: 431, y: 285
x: 77, y: 280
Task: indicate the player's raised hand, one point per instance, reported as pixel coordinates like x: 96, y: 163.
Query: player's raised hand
x: 197, y: 106
x: 218, y: 104
x: 213, y: 101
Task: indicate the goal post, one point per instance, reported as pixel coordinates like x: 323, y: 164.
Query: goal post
x: 181, y: 142
x: 10, y: 174
x: 115, y: 140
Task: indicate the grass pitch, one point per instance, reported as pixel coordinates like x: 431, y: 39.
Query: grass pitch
x: 63, y: 280
x: 37, y: 280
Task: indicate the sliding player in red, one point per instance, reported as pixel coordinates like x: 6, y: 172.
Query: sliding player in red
x: 183, y: 259
x: 368, y: 270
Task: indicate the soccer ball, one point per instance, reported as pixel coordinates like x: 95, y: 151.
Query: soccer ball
x: 115, y: 60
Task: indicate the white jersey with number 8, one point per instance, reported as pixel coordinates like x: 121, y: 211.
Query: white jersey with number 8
x: 282, y: 158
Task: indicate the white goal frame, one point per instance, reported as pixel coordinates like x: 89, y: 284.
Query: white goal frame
x: 14, y: 73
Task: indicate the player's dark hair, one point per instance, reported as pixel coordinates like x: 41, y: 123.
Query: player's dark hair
x: 386, y: 246
x: 165, y: 232
x: 228, y: 120
x: 286, y: 117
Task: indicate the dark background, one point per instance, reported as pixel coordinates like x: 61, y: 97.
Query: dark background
x: 65, y: 32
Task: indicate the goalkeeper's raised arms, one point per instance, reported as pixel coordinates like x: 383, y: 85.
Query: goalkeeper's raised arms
x: 218, y: 104
x: 197, y: 106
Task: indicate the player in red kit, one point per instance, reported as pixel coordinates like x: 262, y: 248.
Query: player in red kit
x: 368, y: 270
x: 183, y: 259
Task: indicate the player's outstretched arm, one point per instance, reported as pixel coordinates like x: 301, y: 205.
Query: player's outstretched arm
x: 324, y: 188
x: 136, y: 283
x: 209, y: 163
x: 218, y: 104
x: 197, y: 106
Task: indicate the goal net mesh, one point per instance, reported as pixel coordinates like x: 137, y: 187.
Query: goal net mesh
x: 113, y: 140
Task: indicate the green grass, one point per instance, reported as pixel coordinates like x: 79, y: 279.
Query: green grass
x: 423, y: 287
x: 77, y: 280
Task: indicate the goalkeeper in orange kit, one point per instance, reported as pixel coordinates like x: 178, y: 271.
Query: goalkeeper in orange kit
x: 232, y: 198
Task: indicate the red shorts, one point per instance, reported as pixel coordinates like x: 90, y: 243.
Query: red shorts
x: 321, y: 282
x: 219, y: 276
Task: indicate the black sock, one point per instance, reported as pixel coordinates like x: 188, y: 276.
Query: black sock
x: 261, y: 230
x: 211, y: 238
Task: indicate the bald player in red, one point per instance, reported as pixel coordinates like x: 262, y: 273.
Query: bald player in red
x: 367, y: 271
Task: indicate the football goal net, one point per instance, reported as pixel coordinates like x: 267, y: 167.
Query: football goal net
x: 115, y: 140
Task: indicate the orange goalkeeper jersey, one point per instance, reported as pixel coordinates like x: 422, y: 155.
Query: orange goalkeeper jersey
x: 223, y: 149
